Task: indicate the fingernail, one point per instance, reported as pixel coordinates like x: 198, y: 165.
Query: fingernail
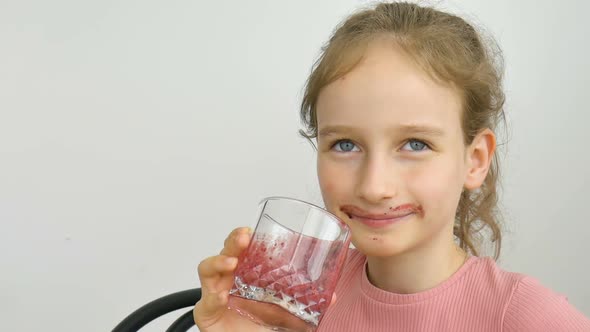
x: 231, y: 260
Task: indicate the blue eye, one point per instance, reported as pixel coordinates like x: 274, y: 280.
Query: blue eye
x: 415, y: 145
x: 344, y: 146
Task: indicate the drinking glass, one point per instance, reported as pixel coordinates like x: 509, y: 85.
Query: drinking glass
x: 285, y: 279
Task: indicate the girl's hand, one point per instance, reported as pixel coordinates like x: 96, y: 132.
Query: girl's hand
x: 216, y: 273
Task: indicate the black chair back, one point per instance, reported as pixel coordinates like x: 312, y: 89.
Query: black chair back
x: 147, y: 313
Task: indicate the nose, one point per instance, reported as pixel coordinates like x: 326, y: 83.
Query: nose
x: 377, y: 181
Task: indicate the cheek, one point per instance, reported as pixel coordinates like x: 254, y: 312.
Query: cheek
x: 335, y: 181
x: 437, y: 186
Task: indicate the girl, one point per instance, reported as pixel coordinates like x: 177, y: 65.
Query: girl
x: 403, y: 104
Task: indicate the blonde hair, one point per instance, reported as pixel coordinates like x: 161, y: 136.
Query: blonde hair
x: 451, y: 51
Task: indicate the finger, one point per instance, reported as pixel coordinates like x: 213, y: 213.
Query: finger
x: 214, y: 265
x: 211, y: 303
x: 212, y: 271
x: 236, y: 233
x: 236, y: 242
x: 333, y: 300
x: 210, y: 308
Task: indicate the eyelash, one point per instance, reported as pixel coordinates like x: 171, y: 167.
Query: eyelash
x: 426, y: 145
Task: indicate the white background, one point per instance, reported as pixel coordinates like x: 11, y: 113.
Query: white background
x: 134, y: 135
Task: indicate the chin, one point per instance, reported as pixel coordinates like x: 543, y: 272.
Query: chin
x: 379, y: 245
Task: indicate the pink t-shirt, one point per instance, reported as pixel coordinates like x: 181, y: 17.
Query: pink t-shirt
x: 478, y: 297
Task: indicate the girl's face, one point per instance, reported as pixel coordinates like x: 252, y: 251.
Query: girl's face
x: 391, y: 158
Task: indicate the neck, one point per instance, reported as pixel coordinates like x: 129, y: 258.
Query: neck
x: 417, y: 270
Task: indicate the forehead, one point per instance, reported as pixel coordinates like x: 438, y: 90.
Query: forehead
x: 387, y: 88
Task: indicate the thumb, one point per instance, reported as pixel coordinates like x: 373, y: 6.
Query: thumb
x: 333, y: 300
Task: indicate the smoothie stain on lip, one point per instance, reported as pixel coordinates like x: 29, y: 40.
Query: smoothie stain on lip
x: 379, y: 223
x: 381, y: 219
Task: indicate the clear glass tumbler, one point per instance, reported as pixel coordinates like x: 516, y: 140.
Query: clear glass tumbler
x: 286, y: 277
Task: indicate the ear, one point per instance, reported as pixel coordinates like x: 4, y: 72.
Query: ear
x: 479, y: 158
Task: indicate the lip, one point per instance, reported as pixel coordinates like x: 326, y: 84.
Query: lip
x: 375, y: 219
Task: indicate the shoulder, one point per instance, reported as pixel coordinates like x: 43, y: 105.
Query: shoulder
x: 488, y: 271
x: 521, y: 302
x: 534, y: 307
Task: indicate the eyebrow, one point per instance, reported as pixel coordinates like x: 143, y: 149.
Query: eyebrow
x: 403, y: 129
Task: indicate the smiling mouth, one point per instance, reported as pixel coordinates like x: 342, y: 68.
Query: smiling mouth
x: 381, y: 222
x: 383, y: 219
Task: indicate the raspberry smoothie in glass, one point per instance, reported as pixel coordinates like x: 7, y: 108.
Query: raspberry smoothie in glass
x: 286, y: 277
